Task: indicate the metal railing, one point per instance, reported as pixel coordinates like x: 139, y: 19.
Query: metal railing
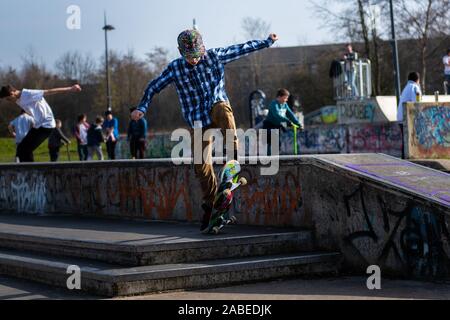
x: 354, y: 84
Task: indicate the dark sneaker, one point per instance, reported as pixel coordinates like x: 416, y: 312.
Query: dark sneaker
x: 206, y: 216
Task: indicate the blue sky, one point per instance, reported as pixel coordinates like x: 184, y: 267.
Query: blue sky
x: 144, y: 24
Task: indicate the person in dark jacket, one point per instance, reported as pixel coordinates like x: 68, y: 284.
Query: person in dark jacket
x: 95, y: 139
x: 137, y: 134
x: 56, y: 140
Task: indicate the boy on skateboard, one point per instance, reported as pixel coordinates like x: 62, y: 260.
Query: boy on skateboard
x: 199, y: 78
x: 34, y: 103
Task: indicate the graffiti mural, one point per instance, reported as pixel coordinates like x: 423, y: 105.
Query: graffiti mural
x: 428, y: 131
x: 387, y: 139
x: 24, y: 193
x: 275, y: 200
x: 321, y: 139
x: 413, y: 239
x: 357, y: 112
x: 432, y: 127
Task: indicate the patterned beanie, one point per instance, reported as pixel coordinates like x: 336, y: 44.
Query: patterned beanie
x: 191, y: 44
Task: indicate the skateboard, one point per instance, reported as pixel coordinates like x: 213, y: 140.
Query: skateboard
x: 229, y: 182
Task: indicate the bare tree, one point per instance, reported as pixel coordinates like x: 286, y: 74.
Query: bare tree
x: 424, y: 21
x: 158, y: 59
x: 76, y: 66
x: 255, y: 28
x: 357, y: 21
x: 34, y: 72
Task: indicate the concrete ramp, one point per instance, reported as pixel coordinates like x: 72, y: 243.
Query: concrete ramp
x: 428, y: 184
x: 379, y: 210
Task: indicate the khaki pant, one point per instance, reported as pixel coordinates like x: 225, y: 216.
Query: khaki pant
x: 222, y: 118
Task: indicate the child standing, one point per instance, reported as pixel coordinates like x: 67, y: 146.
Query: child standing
x: 280, y: 116
x: 20, y: 127
x: 95, y: 139
x: 81, y: 130
x: 56, y: 140
x: 34, y: 103
x: 137, y: 134
x: 199, y: 78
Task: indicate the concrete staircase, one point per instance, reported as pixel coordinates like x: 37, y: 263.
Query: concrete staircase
x: 119, y: 258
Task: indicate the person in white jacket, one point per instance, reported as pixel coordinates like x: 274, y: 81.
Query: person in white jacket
x: 410, y: 93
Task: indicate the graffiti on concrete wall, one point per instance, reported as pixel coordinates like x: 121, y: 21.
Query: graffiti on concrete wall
x: 321, y: 139
x: 24, y: 193
x: 413, y: 239
x: 325, y: 115
x: 432, y: 127
x: 274, y: 201
x: 428, y: 131
x: 386, y: 139
x: 356, y: 112
x: 159, y: 194
x: 147, y: 192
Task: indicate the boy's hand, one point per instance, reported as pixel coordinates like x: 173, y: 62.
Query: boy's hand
x: 75, y: 88
x: 273, y: 37
x: 137, y: 115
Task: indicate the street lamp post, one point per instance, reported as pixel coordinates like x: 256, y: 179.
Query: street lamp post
x: 395, y: 55
x: 107, y: 28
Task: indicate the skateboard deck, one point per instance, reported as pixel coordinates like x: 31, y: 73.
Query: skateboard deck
x: 229, y: 182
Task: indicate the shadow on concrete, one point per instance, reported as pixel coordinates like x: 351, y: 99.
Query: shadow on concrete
x: 16, y: 289
x: 330, y: 288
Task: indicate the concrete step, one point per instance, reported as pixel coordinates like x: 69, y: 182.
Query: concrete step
x: 163, y: 253
x: 111, y: 280
x: 141, y: 244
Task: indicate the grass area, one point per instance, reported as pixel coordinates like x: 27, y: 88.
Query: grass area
x: 8, y: 151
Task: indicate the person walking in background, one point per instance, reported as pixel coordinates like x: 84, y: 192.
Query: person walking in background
x: 34, y: 103
x: 411, y: 93
x: 95, y: 139
x: 280, y: 116
x: 81, y: 130
x: 56, y: 140
x: 111, y: 125
x: 446, y: 61
x: 137, y: 134
x: 20, y: 127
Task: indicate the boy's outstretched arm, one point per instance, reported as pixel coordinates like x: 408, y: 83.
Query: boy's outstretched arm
x: 235, y: 52
x: 154, y: 87
x: 74, y: 88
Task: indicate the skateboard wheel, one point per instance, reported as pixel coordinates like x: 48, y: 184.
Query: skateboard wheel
x: 233, y: 220
x: 227, y: 193
x: 216, y: 230
x: 243, y: 181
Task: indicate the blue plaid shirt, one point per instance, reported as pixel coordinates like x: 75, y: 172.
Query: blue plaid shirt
x: 200, y: 87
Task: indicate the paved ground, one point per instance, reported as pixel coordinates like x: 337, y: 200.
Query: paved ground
x: 345, y: 288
